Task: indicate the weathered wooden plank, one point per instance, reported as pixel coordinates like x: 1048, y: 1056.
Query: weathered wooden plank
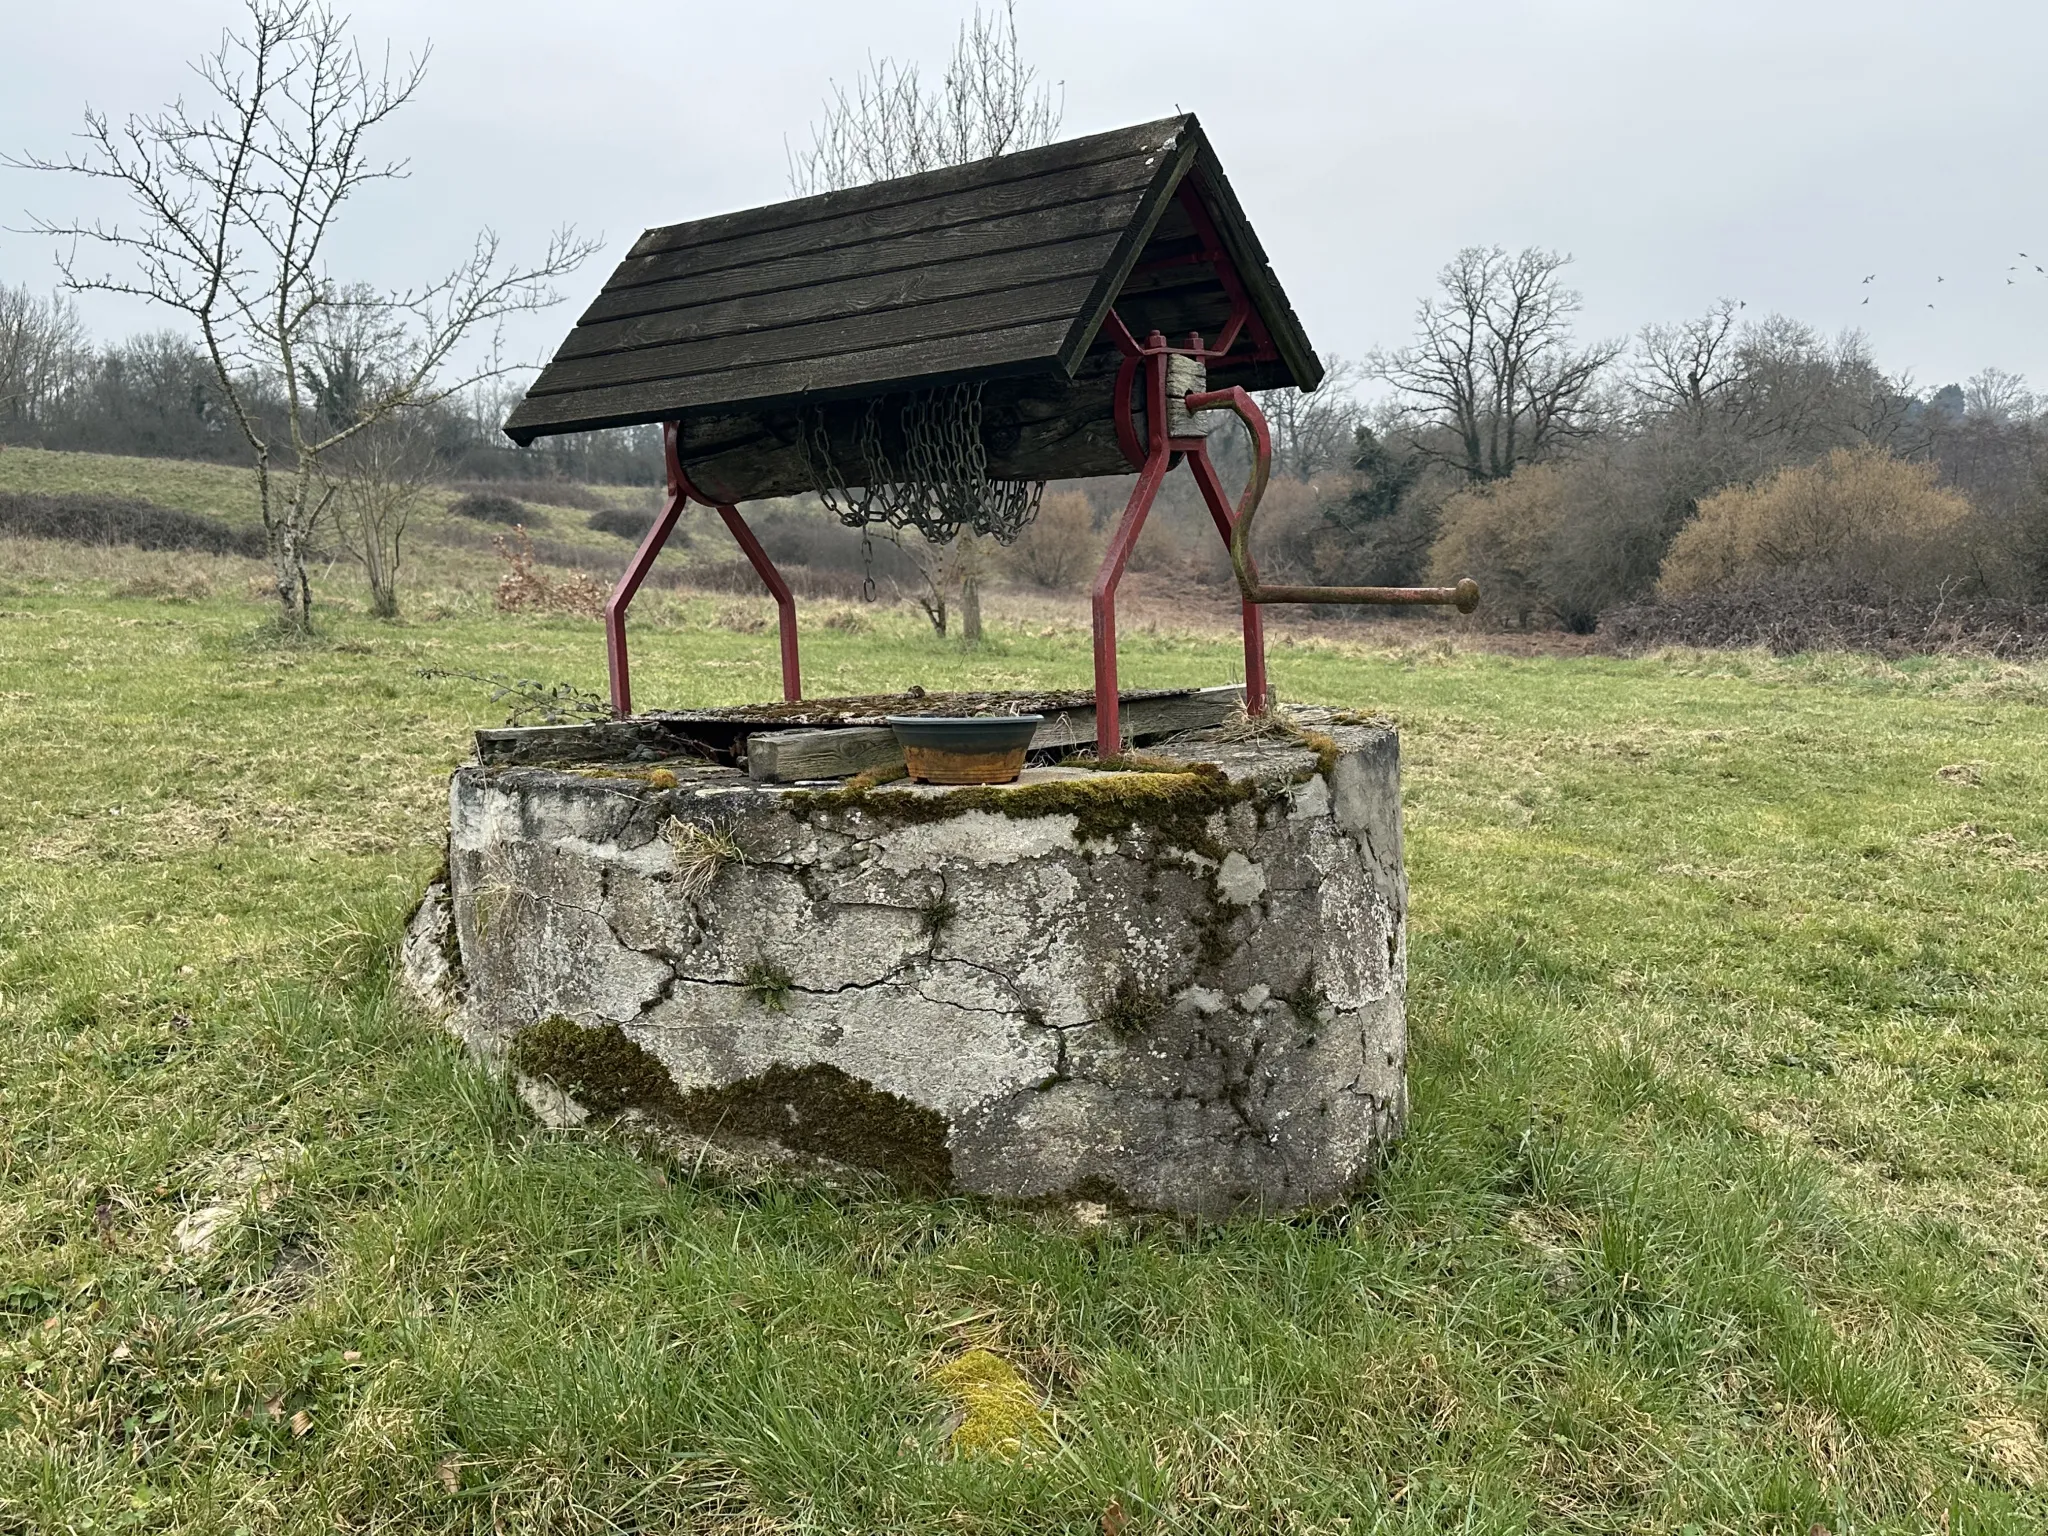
x: 1249, y: 257
x: 1143, y: 720
x: 857, y: 236
x: 786, y: 757
x: 533, y: 746
x: 961, y: 242
x: 839, y: 340
x: 848, y: 298
x: 1036, y: 428
x: 789, y: 756
x: 1069, y: 155
x: 976, y: 354
x: 887, y: 336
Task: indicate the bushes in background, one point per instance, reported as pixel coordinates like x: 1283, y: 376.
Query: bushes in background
x: 625, y: 523
x: 489, y: 507
x: 89, y: 519
x: 1858, y: 515
x: 1060, y: 548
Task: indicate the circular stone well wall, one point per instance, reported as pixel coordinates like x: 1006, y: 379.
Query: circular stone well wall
x: 1177, y: 989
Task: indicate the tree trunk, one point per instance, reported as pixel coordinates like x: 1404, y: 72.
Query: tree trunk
x: 968, y: 560
x: 294, y: 589
x: 970, y: 608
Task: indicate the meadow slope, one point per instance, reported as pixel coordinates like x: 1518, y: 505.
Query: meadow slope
x: 1722, y: 1208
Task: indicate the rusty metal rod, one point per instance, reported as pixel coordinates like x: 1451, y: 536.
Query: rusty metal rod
x: 1464, y: 596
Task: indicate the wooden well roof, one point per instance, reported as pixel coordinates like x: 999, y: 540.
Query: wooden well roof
x: 1003, y: 269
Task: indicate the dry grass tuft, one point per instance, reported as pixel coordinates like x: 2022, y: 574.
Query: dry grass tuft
x: 700, y: 851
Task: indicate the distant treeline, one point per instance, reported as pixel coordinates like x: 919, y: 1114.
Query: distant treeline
x: 156, y: 396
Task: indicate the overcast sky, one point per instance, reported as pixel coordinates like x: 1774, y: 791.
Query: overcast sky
x: 1771, y: 151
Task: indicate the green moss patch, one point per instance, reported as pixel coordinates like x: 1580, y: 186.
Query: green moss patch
x: 816, y: 1109
x: 598, y: 1066
x: 826, y: 1112
x: 1175, y: 807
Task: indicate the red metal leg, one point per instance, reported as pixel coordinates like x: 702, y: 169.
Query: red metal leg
x: 785, y: 600
x: 1108, y: 729
x: 1254, y: 619
x: 622, y: 598
x: 636, y: 572
x: 680, y: 494
x: 1158, y: 459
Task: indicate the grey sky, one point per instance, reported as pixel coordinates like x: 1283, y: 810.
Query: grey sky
x: 1772, y: 151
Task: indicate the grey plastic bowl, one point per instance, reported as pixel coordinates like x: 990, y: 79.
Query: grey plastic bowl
x: 964, y: 749
x: 965, y: 733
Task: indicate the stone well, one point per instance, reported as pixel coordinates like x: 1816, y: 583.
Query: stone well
x: 1177, y: 989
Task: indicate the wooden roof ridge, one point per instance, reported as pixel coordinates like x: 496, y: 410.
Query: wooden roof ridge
x: 1002, y: 267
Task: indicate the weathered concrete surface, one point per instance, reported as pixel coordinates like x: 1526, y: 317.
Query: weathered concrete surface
x: 1179, y: 991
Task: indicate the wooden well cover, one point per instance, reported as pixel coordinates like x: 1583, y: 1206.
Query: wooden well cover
x: 1001, y: 271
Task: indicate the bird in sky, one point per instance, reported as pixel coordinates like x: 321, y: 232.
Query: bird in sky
x: 1941, y: 279
x: 1871, y: 279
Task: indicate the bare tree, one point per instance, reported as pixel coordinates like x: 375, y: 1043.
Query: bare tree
x: 374, y: 483
x: 1992, y: 394
x: 1493, y: 379
x: 989, y: 102
x: 1689, y: 367
x: 1313, y: 432
x: 238, y: 199
x: 40, y: 343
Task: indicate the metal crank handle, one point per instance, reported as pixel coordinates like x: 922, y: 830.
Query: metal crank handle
x: 1464, y: 596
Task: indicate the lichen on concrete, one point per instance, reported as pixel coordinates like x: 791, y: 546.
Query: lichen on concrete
x: 1180, y: 983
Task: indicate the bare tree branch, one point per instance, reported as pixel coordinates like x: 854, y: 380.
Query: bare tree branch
x: 235, y: 203
x: 1493, y: 380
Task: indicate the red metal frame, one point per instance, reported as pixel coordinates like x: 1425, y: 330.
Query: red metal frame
x: 680, y: 494
x: 1156, y: 457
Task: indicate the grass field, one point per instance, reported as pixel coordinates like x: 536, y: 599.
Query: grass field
x: 1722, y: 1210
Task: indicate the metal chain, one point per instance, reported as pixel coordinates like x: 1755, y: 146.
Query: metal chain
x: 940, y: 485
x: 867, y: 565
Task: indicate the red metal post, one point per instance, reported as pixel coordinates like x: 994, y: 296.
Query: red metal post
x: 680, y: 494
x: 785, y: 600
x: 1204, y: 472
x: 1108, y: 728
x: 636, y: 572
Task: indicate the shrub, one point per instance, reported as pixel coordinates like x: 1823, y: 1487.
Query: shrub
x: 1859, y: 515
x: 89, y: 519
x: 525, y: 588
x: 1792, y: 613
x: 626, y: 523
x: 545, y: 493
x: 489, y: 507
x: 1564, y: 541
x: 1060, y: 548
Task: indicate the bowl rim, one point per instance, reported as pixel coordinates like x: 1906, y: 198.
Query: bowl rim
x: 963, y: 719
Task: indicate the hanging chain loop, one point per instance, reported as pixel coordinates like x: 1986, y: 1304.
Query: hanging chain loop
x: 922, y: 464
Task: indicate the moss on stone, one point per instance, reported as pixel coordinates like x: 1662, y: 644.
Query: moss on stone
x: 1132, y: 1008
x: 1326, y: 750
x: 816, y: 1109
x: 596, y: 1066
x: 1175, y: 807
x: 826, y: 1112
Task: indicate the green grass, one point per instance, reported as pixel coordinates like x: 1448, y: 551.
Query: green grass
x: 1722, y: 1206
